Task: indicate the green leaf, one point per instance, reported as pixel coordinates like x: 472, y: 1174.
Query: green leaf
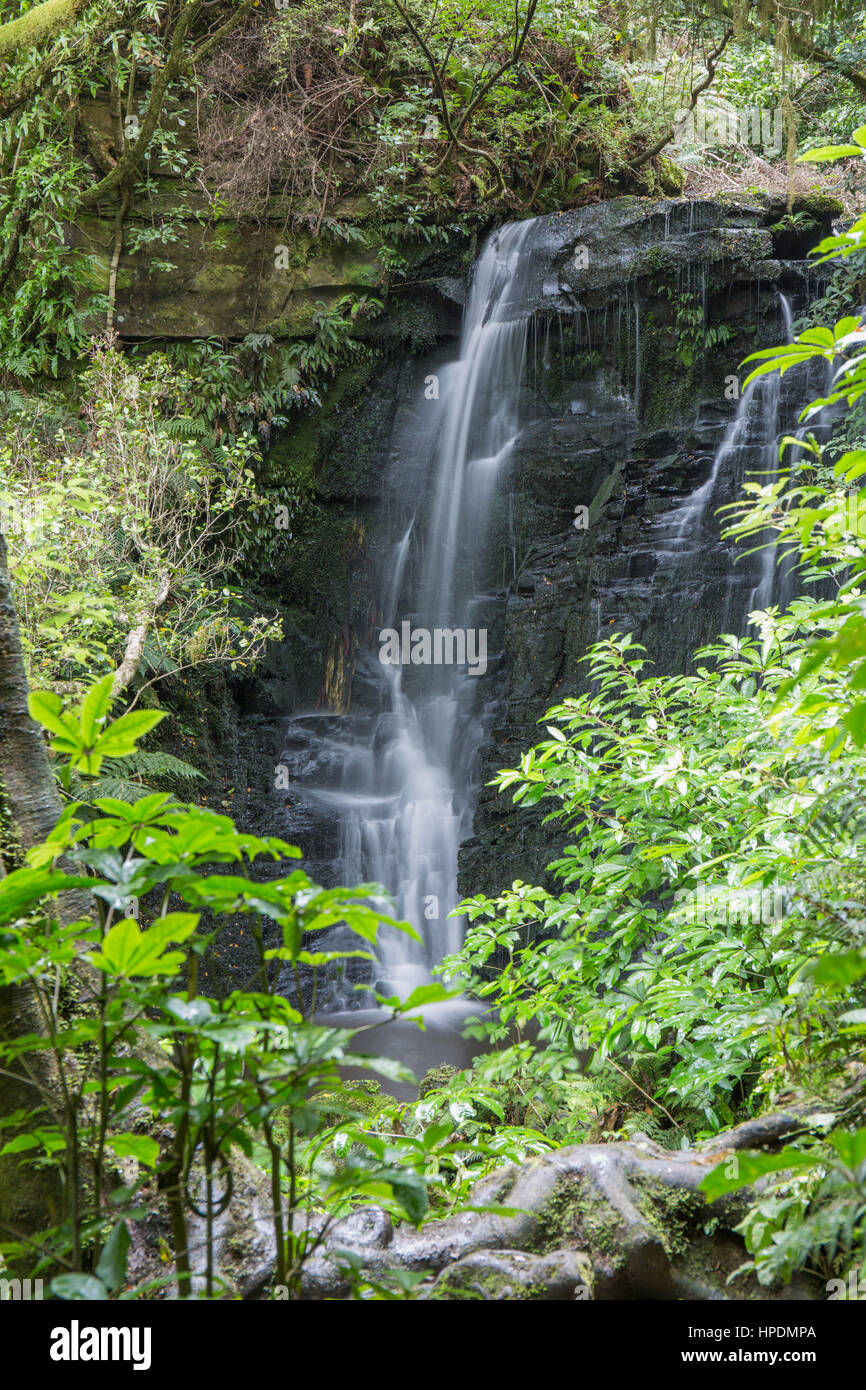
x: 94, y: 708
x: 843, y: 968
x: 47, y: 709
x: 195, y: 1012
x: 127, y: 951
x: 410, y: 1192
x: 850, y: 1146
x: 20, y: 1144
x: 23, y: 887
x: 855, y: 722
x: 423, y: 994
x: 748, y: 1166
x: 121, y: 737
x: 388, y: 1067
x: 112, y: 1262
x: 139, y: 1146
x: 78, y: 1288
x: 829, y: 152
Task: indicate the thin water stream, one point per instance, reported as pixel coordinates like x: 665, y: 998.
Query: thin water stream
x: 404, y: 789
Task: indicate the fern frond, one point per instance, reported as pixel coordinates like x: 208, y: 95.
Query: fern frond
x: 118, y: 787
x: 152, y: 765
x: 118, y: 777
x: 186, y: 427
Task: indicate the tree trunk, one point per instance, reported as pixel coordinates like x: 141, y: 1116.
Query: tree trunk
x: 27, y: 781
x: 38, y: 25
x: 29, y: 806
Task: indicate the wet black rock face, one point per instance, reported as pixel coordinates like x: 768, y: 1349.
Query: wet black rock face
x: 639, y: 314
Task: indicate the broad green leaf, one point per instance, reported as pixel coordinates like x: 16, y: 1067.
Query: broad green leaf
x: 20, y: 1144
x: 748, y: 1166
x: 47, y: 709
x: 841, y: 968
x: 25, y: 887
x: 94, y: 707
x: 141, y: 1147
x: 829, y: 152
x: 75, y: 1288
x: 120, y: 738
x: 112, y: 1262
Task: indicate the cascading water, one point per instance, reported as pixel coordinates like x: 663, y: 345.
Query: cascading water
x: 404, y: 796
x: 766, y: 410
x: 763, y: 593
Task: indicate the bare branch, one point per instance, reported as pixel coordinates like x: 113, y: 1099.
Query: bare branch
x: 711, y: 62
x: 134, y: 153
x: 137, y: 638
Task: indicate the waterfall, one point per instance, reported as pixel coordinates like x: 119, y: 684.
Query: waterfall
x: 763, y: 593
x: 387, y: 791
x: 405, y: 793
x: 754, y: 427
x: 749, y: 446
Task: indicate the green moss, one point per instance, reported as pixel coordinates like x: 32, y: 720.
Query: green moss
x: 658, y: 260
x: 668, y: 386
x: 360, y: 1100
x: 572, y: 1215
x: 672, y: 1211
x: 409, y: 322
x: 436, y: 1079
x: 671, y: 177
x: 11, y: 849
x: 489, y: 1286
x: 820, y: 205
x: 38, y: 24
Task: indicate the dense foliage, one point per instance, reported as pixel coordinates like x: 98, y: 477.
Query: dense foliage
x: 708, y: 950
x: 704, y: 956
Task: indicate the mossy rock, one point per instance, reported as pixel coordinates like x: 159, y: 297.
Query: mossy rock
x: 361, y: 1100
x: 671, y: 177
x: 819, y: 205
x: 436, y: 1079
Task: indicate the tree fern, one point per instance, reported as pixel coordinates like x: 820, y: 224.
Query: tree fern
x: 186, y: 427
x: 120, y: 777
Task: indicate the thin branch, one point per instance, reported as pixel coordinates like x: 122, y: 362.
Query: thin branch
x: 135, y: 152
x: 137, y: 637
x: 711, y: 61
x: 805, y: 49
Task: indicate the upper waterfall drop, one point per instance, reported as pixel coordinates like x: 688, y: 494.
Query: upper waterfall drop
x: 405, y: 792
x: 480, y: 424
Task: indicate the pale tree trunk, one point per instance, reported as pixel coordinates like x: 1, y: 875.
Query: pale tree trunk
x: 134, y: 649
